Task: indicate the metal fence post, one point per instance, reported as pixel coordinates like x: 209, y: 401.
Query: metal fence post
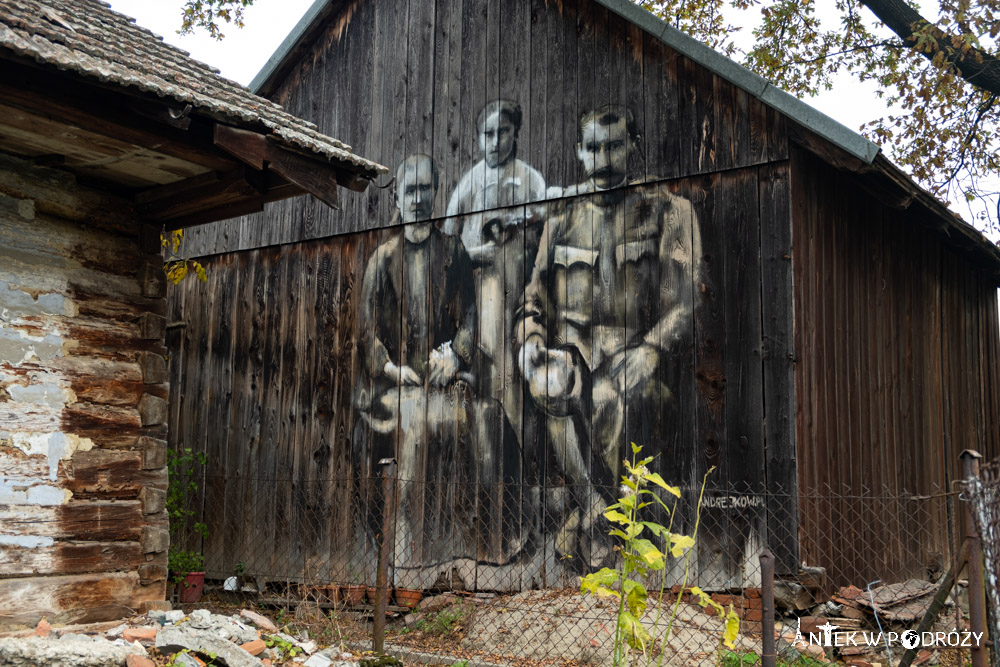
x: 386, y: 535
x: 768, y: 656
x: 977, y: 589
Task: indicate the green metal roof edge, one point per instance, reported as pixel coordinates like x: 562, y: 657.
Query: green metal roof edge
x: 791, y: 106
x: 813, y: 119
x: 288, y: 44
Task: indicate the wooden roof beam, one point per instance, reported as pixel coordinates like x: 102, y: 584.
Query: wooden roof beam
x: 320, y: 179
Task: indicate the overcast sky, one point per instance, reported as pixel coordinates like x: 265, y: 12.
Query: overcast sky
x: 244, y: 51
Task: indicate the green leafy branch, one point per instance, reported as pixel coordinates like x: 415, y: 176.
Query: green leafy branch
x: 641, y: 557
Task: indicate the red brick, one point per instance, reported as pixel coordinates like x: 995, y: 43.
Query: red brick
x: 752, y: 593
x: 850, y: 592
x: 141, y: 634
x: 811, y: 624
x: 256, y: 647
x: 753, y: 615
x: 43, y: 628
x: 134, y: 660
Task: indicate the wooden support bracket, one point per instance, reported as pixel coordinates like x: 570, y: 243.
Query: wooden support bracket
x: 317, y: 178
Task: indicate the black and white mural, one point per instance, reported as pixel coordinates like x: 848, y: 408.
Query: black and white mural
x: 536, y: 327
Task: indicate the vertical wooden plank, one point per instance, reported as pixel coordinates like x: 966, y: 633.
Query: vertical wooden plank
x: 284, y: 415
x: 715, y: 206
x: 568, y: 99
x: 217, y: 433
x: 447, y: 94
x: 690, y: 143
x: 376, y: 200
x: 725, y: 123
x: 777, y: 136
x: 357, y: 46
x: 353, y: 382
x: 241, y: 439
x: 705, y: 104
x: 473, y: 88
x: 254, y: 547
x: 514, y: 76
x: 757, y: 112
x: 538, y: 116
x: 779, y: 389
x: 393, y: 45
x: 269, y: 390
x: 627, y: 85
x: 421, y: 74
x: 662, y: 129
x: 744, y: 397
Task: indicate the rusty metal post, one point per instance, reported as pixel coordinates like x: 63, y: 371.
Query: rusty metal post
x: 768, y: 656
x: 977, y: 585
x: 385, y: 542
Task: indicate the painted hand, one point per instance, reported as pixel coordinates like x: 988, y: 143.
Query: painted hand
x: 401, y: 375
x: 532, y: 356
x: 635, y: 366
x: 443, y: 366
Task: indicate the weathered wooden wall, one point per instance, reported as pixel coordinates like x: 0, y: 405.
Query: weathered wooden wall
x: 896, y: 341
x: 83, y: 399
x: 276, y: 330
x: 267, y: 360
x: 396, y: 77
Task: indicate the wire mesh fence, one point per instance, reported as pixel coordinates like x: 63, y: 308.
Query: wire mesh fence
x: 491, y: 572
x: 984, y: 497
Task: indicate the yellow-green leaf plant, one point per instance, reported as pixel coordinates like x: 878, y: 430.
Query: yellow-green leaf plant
x: 644, y: 547
x: 175, y: 266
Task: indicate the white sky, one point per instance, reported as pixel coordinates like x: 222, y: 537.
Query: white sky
x: 244, y: 51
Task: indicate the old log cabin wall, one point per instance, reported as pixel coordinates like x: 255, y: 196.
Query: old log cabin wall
x: 897, y: 373
x: 83, y: 400
x: 279, y: 360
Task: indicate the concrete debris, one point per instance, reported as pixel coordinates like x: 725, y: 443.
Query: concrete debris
x: 174, y: 638
x: 33, y: 651
x: 318, y: 660
x: 261, y: 622
x: 173, y: 616
x: 200, y: 618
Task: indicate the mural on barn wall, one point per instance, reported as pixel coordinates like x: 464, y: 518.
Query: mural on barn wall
x: 602, y: 274
x: 542, y: 292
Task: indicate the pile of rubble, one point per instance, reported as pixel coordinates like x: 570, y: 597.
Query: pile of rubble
x: 193, y: 639
x: 853, y: 613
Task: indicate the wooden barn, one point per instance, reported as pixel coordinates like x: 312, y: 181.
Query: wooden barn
x: 598, y: 232
x: 107, y: 137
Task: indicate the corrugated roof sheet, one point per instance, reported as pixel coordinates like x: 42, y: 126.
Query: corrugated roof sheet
x: 87, y: 37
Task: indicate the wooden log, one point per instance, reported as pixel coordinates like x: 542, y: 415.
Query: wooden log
x: 152, y: 326
x: 69, y: 558
x: 109, y: 474
x: 152, y: 280
x: 154, y: 452
x: 95, y: 521
x: 152, y: 410
x: 153, y: 501
x: 154, y: 539
x: 153, y: 367
x: 85, y: 598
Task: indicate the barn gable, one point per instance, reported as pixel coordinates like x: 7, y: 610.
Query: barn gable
x: 727, y: 171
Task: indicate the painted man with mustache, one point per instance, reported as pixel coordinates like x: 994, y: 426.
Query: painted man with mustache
x: 609, y: 303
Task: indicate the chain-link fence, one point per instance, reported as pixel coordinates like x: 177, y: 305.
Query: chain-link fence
x: 984, y: 496
x: 491, y: 573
